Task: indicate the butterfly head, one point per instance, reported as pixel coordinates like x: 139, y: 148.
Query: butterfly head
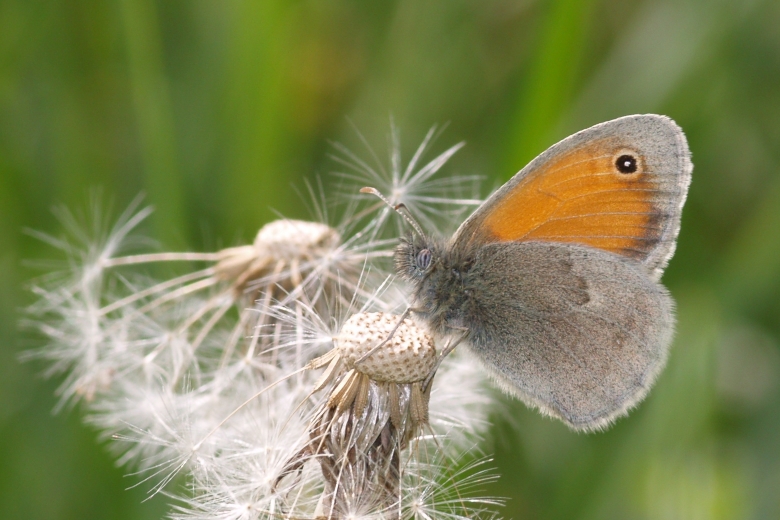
x: 417, y: 254
x: 416, y: 257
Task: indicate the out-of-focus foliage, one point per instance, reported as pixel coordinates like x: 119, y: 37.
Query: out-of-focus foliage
x: 213, y: 109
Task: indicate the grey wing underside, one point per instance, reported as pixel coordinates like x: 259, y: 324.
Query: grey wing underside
x: 664, y: 147
x: 579, y: 333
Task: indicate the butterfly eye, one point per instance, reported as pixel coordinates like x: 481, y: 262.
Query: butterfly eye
x: 424, y: 259
x: 626, y: 163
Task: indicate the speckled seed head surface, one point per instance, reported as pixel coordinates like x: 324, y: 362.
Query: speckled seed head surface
x: 288, y: 239
x: 409, y: 356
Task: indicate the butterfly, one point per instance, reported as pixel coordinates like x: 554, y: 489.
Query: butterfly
x: 553, y: 282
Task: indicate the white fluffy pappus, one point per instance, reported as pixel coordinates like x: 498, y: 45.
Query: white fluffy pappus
x: 436, y: 201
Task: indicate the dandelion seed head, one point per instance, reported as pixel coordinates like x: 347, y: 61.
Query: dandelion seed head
x: 295, y: 238
x: 371, y: 419
x: 280, y: 240
x: 408, y: 356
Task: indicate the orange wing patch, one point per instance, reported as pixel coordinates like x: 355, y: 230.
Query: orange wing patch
x: 596, y: 195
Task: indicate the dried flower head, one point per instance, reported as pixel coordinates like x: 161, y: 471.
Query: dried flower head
x: 378, y: 377
x: 284, y: 246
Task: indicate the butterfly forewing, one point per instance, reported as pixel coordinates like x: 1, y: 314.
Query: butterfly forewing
x: 617, y: 186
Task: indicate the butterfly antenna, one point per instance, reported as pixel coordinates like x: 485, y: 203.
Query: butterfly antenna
x: 397, y: 208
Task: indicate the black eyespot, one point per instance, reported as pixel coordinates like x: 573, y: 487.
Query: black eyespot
x: 626, y: 164
x: 424, y: 259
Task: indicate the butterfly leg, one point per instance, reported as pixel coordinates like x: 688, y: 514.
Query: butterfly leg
x: 444, y: 353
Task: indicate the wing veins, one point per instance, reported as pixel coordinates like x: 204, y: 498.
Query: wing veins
x: 621, y: 190
x: 570, y: 165
x: 587, y: 215
x: 600, y: 236
x: 554, y: 343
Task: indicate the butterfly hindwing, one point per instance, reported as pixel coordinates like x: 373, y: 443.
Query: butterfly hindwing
x: 577, y: 332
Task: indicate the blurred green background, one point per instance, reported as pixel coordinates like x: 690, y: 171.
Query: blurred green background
x: 213, y: 108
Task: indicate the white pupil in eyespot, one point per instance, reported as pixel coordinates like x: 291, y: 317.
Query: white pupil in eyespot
x: 424, y: 258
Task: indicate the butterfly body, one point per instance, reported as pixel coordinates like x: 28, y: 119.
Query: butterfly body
x: 553, y: 281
